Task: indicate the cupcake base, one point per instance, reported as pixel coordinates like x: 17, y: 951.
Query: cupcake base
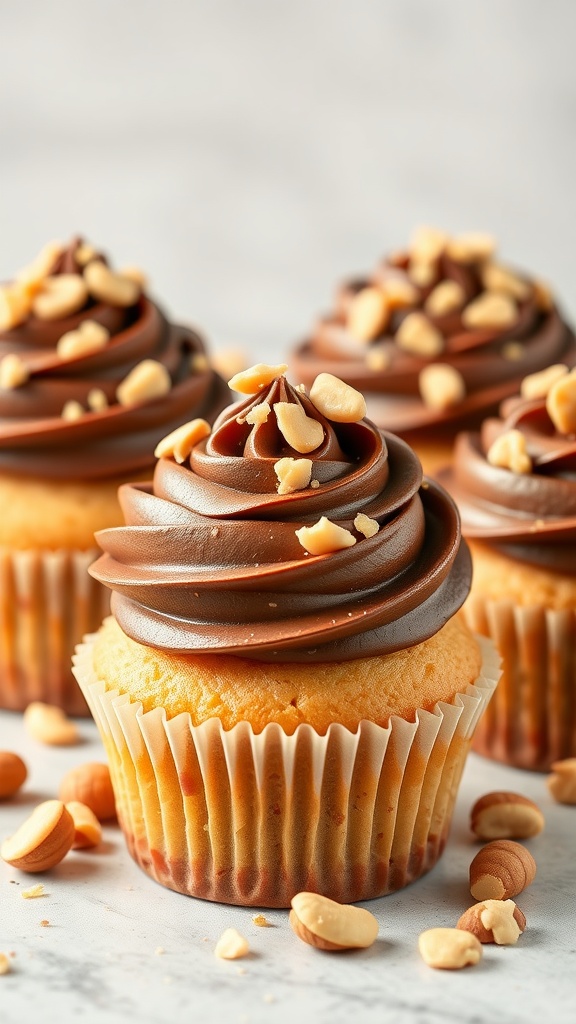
x: 252, y: 819
x: 48, y: 602
x: 532, y: 720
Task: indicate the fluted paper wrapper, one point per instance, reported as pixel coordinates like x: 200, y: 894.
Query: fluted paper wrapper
x: 48, y: 602
x: 532, y: 720
x: 252, y: 819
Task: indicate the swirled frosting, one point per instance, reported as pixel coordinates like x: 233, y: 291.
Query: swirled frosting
x: 35, y: 439
x: 209, y: 560
x: 491, y: 360
x: 529, y: 516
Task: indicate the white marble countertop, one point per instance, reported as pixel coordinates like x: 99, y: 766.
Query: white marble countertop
x: 121, y: 948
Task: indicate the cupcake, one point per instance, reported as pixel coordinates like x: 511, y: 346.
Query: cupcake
x: 284, y: 692
x: 515, y: 484
x: 436, y: 338
x: 92, y: 375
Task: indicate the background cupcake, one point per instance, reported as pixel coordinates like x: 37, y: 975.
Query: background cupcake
x: 284, y: 693
x: 436, y: 338
x: 91, y: 376
x: 515, y: 484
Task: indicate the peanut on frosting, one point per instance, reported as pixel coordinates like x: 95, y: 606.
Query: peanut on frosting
x: 537, y: 385
x: 368, y: 313
x: 491, y: 311
x: 496, y: 278
x: 33, y: 274
x: 15, y: 307
x: 180, y: 442
x: 258, y: 414
x: 417, y: 335
x: 13, y: 372
x: 146, y: 381
x: 509, y: 451
x: 471, y: 247
x: 336, y: 400
x: 107, y: 286
x: 300, y: 431
x: 445, y: 298
x: 293, y: 474
x: 89, y: 337
x: 441, y: 386
x: 252, y: 380
x: 324, y: 537
x: 60, y: 296
x: 364, y: 524
x: 561, y: 404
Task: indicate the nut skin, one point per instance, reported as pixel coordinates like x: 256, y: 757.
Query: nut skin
x: 501, y: 870
x: 90, y: 784
x: 42, y: 841
x: 503, y: 815
x: 471, y: 921
x: 13, y: 773
x: 328, y: 925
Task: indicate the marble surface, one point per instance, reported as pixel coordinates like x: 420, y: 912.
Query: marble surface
x: 121, y: 948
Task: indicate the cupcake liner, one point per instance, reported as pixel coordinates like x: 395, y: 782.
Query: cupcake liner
x: 252, y: 819
x: 48, y: 602
x: 532, y: 720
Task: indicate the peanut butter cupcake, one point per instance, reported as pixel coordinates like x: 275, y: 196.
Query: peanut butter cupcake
x: 436, y: 338
x: 515, y: 484
x: 284, y: 692
x: 92, y: 374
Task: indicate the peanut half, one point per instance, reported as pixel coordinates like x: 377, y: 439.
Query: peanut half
x: 60, y: 296
x: 368, y: 314
x: 324, y: 537
x: 325, y: 924
x: 490, y: 311
x: 471, y: 247
x: 300, y: 431
x: 503, y: 815
x: 32, y: 276
x: 509, y: 451
x: 499, y: 921
x: 49, y: 724
x: 42, y: 841
x: 90, y: 784
x: 537, y: 385
x: 449, y: 948
x: 181, y: 441
x: 252, y: 380
x: 89, y: 337
x: 15, y: 307
x: 562, y: 781
x: 561, y: 404
x: 13, y: 773
x: 336, y: 400
x: 499, y: 279
x: 446, y: 297
x: 145, y: 382
x: 107, y: 286
x: 13, y: 372
x: 501, y: 870
x: 231, y: 945
x: 416, y: 334
x: 441, y: 386
x: 87, y: 828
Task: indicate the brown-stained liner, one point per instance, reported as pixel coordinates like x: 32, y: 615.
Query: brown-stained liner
x: 47, y: 602
x: 252, y: 819
x: 532, y: 720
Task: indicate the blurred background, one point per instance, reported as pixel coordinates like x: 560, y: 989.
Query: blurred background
x: 249, y: 153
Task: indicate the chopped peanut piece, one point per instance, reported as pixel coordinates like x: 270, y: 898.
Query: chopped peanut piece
x: 251, y: 381
x: 472, y: 247
x: 260, y: 921
x: 324, y: 537
x: 181, y: 441
x: 427, y: 244
x: 399, y: 291
x: 561, y: 404
x: 32, y: 276
x: 509, y: 452
x: 336, y: 400
x: 60, y: 296
x: 84, y: 253
x: 368, y: 314
x: 107, y: 286
x: 537, y: 385
x: 300, y: 431
x: 89, y: 337
x: 441, y: 386
x: 490, y: 311
x: 231, y: 945
x: 422, y: 274
x: 377, y: 359
x: 449, y: 948
x: 446, y: 297
x: 147, y: 381
x: 97, y: 400
x: 49, y: 724
x: 499, y: 279
x: 258, y: 414
x: 369, y: 527
x: 33, y: 893
x: 513, y: 351
x: 417, y: 335
x: 4, y: 964
x: 13, y: 372
x: 72, y: 410
x: 15, y: 307
x: 293, y: 474
x: 87, y: 828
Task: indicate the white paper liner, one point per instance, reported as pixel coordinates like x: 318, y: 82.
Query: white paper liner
x: 532, y: 721
x: 252, y: 819
x: 48, y: 602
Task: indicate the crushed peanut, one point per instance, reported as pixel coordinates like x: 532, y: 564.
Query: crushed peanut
x: 15, y: 307
x: 336, y: 400
x: 84, y: 253
x: 422, y: 274
x: 147, y: 381
x: 260, y: 921
x: 106, y: 286
x: 417, y: 335
x: 490, y: 311
x: 231, y: 945
x: 377, y: 359
x: 445, y: 298
x: 97, y: 400
x: 33, y: 892
x: 33, y: 274
x: 363, y: 523
x: 293, y: 474
x: 471, y: 247
x: 537, y: 385
x: 60, y: 296
x: 427, y: 244
x: 441, y: 386
x: 89, y: 337
x: 500, y: 279
x: 258, y: 414
x: 561, y: 404
x: 13, y: 372
x: 509, y: 451
x: 300, y: 431
x: 72, y: 411
x: 399, y: 291
x: 368, y: 314
x: 252, y: 380
x: 4, y: 964
x: 324, y: 537
x: 180, y: 442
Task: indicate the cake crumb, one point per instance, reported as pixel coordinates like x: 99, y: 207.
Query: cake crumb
x: 33, y: 893
x: 261, y: 921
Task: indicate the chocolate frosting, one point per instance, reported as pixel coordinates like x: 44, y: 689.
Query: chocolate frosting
x: 210, y: 561
x: 483, y: 357
x: 35, y: 439
x: 530, y: 516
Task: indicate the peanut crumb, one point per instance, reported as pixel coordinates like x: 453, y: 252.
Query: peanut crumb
x: 44, y: 923
x: 258, y: 414
x: 261, y: 921
x: 4, y: 964
x: 33, y: 893
x: 231, y: 945
x: 314, y: 484
x: 159, y: 951
x: 369, y: 527
x: 513, y: 351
